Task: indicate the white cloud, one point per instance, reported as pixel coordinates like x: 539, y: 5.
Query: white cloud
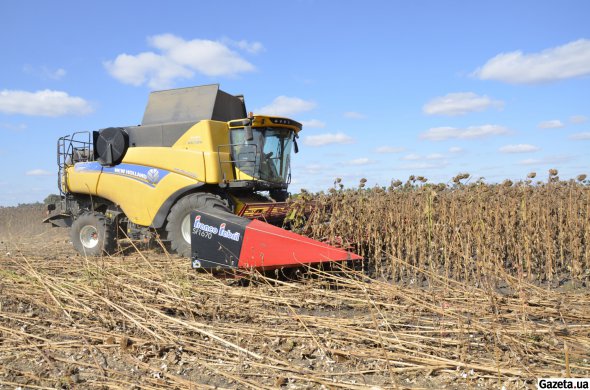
x: 389, y: 149
x: 581, y: 136
x: 179, y: 59
x: 250, y: 47
x: 58, y: 74
x: 473, y: 132
x: 576, y: 119
x: 417, y: 157
x: 424, y: 165
x: 210, y: 58
x: 459, y: 103
x: 314, y: 123
x: 557, y: 63
x: 13, y: 126
x: 519, y: 148
x: 38, y: 172
x: 547, y: 160
x: 360, y: 161
x: 286, y: 106
x: 42, y: 103
x: 354, y: 115
x: 44, y: 72
x: 313, y: 168
x: 411, y: 157
x: 552, y: 124
x: 155, y: 70
x: 455, y: 149
x: 327, y: 139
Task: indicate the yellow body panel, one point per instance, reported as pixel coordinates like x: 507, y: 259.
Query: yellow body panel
x: 206, y: 137
x: 139, y: 201
x: 82, y: 183
x: 193, y: 159
x: 189, y: 163
x: 148, y: 176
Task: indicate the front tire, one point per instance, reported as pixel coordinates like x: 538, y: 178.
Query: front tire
x: 92, y: 235
x: 178, y: 227
x: 279, y: 195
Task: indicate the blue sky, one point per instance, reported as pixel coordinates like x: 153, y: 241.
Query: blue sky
x: 385, y: 89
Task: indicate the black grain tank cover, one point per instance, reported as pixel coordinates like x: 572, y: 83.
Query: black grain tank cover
x: 192, y: 104
x: 110, y: 145
x: 170, y: 113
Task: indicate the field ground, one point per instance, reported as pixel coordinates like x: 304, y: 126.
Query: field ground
x: 145, y: 320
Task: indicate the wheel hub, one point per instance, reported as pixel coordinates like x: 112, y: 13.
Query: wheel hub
x: 185, y: 228
x: 89, y: 236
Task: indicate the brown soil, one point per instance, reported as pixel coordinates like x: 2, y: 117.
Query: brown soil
x: 145, y: 320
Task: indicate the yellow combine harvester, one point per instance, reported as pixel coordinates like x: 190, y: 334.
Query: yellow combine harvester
x: 199, y: 172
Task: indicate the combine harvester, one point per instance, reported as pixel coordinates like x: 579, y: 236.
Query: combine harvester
x: 193, y: 172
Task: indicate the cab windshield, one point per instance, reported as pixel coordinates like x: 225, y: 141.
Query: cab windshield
x: 267, y: 156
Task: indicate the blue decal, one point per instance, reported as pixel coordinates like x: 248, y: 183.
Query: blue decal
x: 146, y: 175
x: 92, y: 166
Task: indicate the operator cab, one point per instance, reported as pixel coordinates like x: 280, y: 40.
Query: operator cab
x: 261, y: 150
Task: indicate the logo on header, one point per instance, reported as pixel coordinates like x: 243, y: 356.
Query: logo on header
x: 199, y: 228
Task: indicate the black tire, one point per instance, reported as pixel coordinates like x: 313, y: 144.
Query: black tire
x: 92, y: 235
x: 180, y: 213
x: 279, y: 195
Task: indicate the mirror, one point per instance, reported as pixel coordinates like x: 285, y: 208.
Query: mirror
x: 295, y: 146
x: 249, y: 135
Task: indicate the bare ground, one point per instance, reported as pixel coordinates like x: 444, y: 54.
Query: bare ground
x: 146, y: 320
